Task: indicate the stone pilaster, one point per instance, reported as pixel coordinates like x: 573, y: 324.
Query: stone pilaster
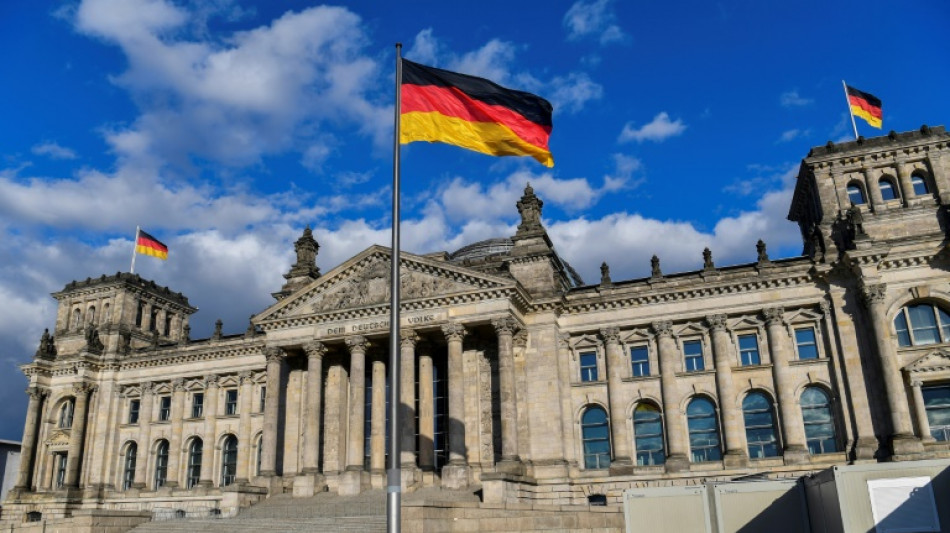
x: 732, y: 426
x: 616, y: 369
x: 505, y: 328
x: 174, y: 444
x: 353, y: 479
x: 144, y: 440
x: 210, y: 431
x: 426, y: 411
x: 77, y: 434
x: 377, y: 437
x: 245, y: 447
x: 874, y: 192
x: 30, y: 431
x: 903, y: 441
x: 920, y: 412
x: 455, y: 473
x: 407, y: 398
x: 907, y: 186
x: 275, y: 360
x: 677, y: 459
x: 793, y: 426
x: 564, y: 397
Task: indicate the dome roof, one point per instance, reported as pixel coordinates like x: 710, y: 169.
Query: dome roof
x: 481, y: 249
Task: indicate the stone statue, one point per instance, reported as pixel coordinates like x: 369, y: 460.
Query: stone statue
x: 217, y: 330
x: 251, y: 328
x: 707, y: 259
x: 46, y: 350
x: 93, y: 344
x: 529, y: 206
x: 604, y: 274
x: 856, y: 217
x: 655, y: 267
x: 760, y: 248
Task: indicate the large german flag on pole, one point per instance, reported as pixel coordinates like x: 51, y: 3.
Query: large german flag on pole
x: 145, y: 244
x: 865, y: 105
x: 473, y: 113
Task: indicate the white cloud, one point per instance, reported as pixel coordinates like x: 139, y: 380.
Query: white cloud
x: 236, y: 99
x: 659, y: 129
x: 793, y: 99
x: 593, y: 19
x: 792, y: 134
x: 53, y: 150
x: 572, y: 92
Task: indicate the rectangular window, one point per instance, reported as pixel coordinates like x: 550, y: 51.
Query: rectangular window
x: 749, y: 350
x: 134, y: 412
x: 805, y: 340
x: 230, y: 402
x: 164, y: 408
x: 640, y: 359
x: 589, y: 366
x: 693, y: 351
x: 60, y: 470
x: 197, y: 404
x: 263, y: 398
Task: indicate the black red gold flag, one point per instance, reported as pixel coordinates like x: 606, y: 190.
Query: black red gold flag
x: 866, y: 106
x: 474, y: 113
x: 145, y: 244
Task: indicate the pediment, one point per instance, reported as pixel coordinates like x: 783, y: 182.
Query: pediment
x: 364, y: 281
x: 58, y: 438
x: 935, y: 361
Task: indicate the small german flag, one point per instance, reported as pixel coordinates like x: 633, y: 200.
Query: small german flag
x: 473, y: 113
x: 866, y: 106
x: 145, y: 244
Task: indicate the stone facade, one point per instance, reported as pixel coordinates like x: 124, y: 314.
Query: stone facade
x: 516, y: 376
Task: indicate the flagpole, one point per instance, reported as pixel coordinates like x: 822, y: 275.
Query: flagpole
x: 393, y: 470
x: 135, y: 245
x: 848, y: 100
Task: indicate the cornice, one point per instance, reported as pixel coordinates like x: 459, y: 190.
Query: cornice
x: 204, y: 353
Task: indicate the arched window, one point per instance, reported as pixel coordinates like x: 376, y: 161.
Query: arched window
x: 888, y: 190
x: 194, y: 463
x: 929, y: 324
x: 703, y: 431
x: 596, y: 438
x: 91, y: 315
x: 919, y: 182
x: 66, y: 414
x: 819, y: 421
x: 128, y: 472
x: 161, y: 464
x: 229, y: 460
x: 648, y: 435
x: 139, y: 310
x: 759, y: 425
x: 260, y: 453
x: 106, y: 313
x: 153, y: 320
x: 856, y: 194
x: 77, y: 319
x: 937, y: 404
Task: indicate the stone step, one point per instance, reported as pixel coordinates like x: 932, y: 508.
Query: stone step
x: 225, y: 525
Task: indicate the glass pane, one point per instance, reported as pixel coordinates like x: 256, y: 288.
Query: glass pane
x: 700, y: 406
x: 900, y: 324
x: 639, y: 353
x: 944, y: 324
x: 920, y: 186
x: 923, y: 324
x: 814, y: 396
x: 855, y: 195
x: 755, y: 401
x: 692, y: 348
x: 807, y: 347
x: 887, y: 190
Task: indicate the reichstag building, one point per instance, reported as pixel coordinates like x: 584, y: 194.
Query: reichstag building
x: 518, y: 378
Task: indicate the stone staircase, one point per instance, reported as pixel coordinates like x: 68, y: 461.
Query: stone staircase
x: 323, y: 513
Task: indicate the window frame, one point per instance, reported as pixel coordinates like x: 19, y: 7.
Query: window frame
x: 597, y: 457
x: 918, y: 178
x: 862, y: 193
x: 940, y: 433
x: 891, y: 185
x: 773, y: 426
x: 910, y: 332
x: 129, y: 459
x: 754, y: 335
x: 66, y: 414
x: 819, y: 444
x: 229, y: 457
x: 161, y: 463
x: 135, y: 408
x: 701, y: 357
x: 591, y: 375
x: 164, y: 408
x: 640, y: 368
x: 815, y: 344
x: 649, y: 457
x: 263, y: 398
x: 717, y: 430
x: 193, y: 464
x: 230, y: 404
x: 197, y: 404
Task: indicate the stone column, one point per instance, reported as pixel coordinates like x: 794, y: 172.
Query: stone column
x: 616, y: 366
x: 315, y: 352
x: 407, y: 398
x: 245, y: 446
x: 920, y: 409
x: 907, y: 186
x: 505, y: 328
x: 210, y: 430
x: 426, y: 412
x: 275, y: 359
x: 30, y: 431
x: 677, y: 459
x: 903, y: 441
x: 377, y: 437
x: 77, y: 434
x: 174, y: 444
x: 354, y: 444
x: 874, y: 192
x: 144, y: 440
x: 732, y: 421
x: 793, y: 426
x: 455, y: 473
x: 353, y: 480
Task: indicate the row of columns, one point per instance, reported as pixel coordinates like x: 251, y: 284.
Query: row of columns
x: 353, y: 450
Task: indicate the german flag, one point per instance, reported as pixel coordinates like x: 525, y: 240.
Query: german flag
x: 145, y: 244
x: 473, y: 113
x: 866, y: 106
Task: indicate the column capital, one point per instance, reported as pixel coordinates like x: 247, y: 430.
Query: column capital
x: 274, y: 354
x: 825, y: 307
x: 916, y: 383
x: 610, y: 335
x: 211, y: 381
x: 774, y: 316
x: 357, y: 342
x: 663, y: 328
x: 146, y: 387
x: 245, y: 377
x: 315, y: 349
x: 83, y: 388
x: 873, y: 293
x: 453, y: 331
x: 408, y: 338
x: 178, y: 384
x: 716, y: 322
x: 564, y: 340
x: 36, y: 393
x: 505, y: 325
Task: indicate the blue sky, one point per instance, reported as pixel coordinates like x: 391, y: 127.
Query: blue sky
x: 224, y: 127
